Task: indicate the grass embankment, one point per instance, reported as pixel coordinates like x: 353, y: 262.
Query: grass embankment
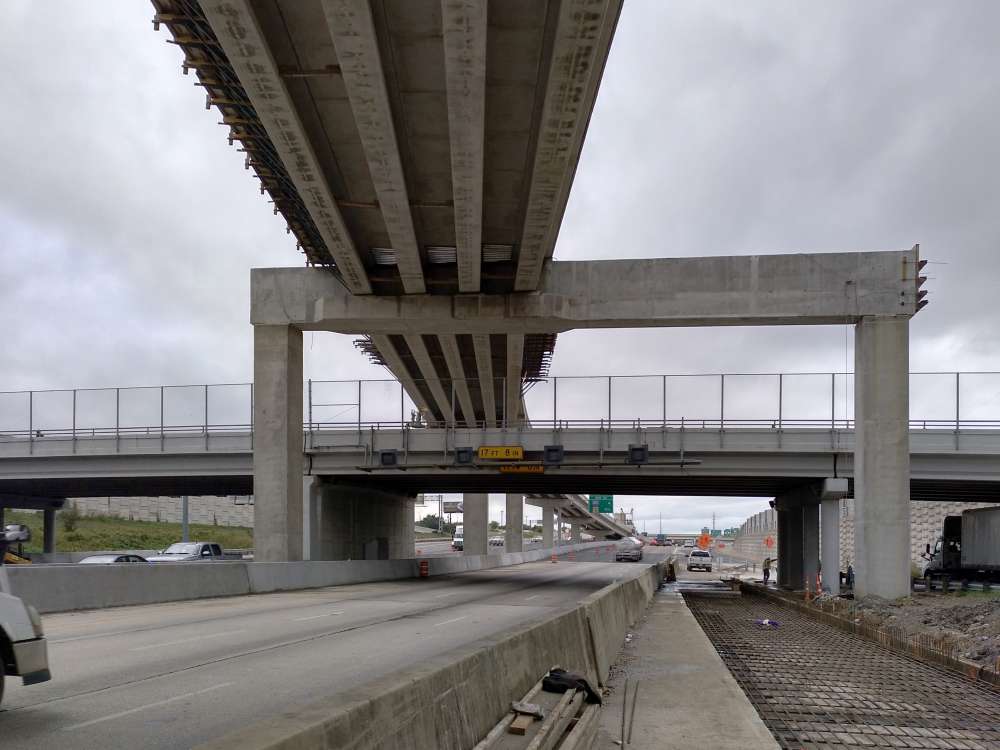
x: 106, y: 533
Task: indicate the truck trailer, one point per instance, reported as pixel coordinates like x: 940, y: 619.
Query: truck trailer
x: 968, y: 547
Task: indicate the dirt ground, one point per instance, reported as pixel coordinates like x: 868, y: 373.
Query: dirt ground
x: 970, y: 621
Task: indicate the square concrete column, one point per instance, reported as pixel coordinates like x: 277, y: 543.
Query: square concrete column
x: 513, y: 538
x: 277, y: 454
x: 792, y: 567
x: 576, y: 533
x: 475, y: 519
x: 548, y: 527
x: 882, y: 458
x: 783, y: 534
x: 312, y: 518
x: 830, y: 544
x: 810, y: 545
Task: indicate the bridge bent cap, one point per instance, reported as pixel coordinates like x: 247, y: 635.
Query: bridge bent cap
x: 793, y: 289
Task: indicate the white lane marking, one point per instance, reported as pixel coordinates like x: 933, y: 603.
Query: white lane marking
x: 449, y: 593
x: 316, y: 617
x: 188, y: 640
x: 529, y: 598
x: 121, y: 714
x: 448, y: 622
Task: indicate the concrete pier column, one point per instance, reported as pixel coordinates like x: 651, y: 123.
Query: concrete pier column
x: 782, y: 534
x: 358, y: 523
x: 576, y: 533
x: 513, y: 538
x: 277, y: 455
x: 793, y: 568
x: 48, y: 530
x: 881, y: 458
x: 548, y: 528
x: 312, y: 518
x: 830, y: 544
x: 810, y: 545
x: 475, y: 519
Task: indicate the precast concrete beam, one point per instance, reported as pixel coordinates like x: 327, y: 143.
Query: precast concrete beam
x: 277, y: 450
x: 238, y: 31
x: 449, y: 346
x: 352, y: 30
x: 580, y: 48
x: 396, y: 366
x: 795, y: 289
x: 487, y: 383
x: 513, y: 396
x: 464, y: 28
x: 881, y: 458
x: 443, y: 400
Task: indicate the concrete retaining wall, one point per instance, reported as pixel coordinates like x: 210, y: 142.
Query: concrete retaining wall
x: 62, y: 588
x: 451, y: 702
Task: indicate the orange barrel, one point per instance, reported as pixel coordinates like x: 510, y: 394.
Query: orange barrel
x: 424, y: 569
x: 554, y: 557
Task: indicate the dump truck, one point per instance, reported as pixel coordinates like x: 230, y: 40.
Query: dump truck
x: 968, y: 547
x: 23, y: 650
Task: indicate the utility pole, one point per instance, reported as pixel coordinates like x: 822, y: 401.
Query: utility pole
x: 661, y: 521
x: 185, y: 537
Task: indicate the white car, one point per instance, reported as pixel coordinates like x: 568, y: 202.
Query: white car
x: 700, y: 558
x: 22, y: 641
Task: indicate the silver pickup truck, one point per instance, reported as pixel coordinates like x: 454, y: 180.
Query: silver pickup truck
x: 23, y: 650
x: 700, y: 558
x: 189, y: 552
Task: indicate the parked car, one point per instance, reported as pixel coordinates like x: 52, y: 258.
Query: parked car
x: 189, y: 552
x: 700, y: 558
x: 496, y: 541
x: 661, y: 539
x: 22, y: 641
x: 458, y: 540
x: 109, y: 559
x: 688, y: 543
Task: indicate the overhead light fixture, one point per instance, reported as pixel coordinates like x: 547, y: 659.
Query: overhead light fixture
x: 552, y: 455
x: 638, y: 454
x: 464, y: 455
x: 388, y: 458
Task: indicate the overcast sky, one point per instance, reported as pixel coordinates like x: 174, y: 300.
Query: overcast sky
x: 128, y: 225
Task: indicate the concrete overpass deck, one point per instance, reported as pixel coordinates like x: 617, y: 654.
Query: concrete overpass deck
x: 738, y: 461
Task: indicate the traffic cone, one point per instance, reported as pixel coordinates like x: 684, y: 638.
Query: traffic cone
x: 572, y: 556
x: 553, y: 558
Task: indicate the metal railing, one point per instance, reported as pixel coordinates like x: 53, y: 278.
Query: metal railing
x: 720, y: 401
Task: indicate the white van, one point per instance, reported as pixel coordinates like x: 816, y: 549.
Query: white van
x: 458, y: 539
x: 23, y: 648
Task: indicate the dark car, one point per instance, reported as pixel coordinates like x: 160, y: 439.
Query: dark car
x: 109, y: 559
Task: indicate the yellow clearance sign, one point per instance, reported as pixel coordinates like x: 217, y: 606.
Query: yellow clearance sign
x: 523, y: 469
x: 502, y: 452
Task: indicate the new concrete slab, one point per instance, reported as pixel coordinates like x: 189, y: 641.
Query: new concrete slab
x: 687, y: 697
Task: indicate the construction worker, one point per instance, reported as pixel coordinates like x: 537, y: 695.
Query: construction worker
x: 766, y: 567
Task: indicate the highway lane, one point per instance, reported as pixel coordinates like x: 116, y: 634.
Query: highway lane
x: 173, y: 675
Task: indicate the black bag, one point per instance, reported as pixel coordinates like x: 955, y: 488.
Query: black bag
x: 559, y: 681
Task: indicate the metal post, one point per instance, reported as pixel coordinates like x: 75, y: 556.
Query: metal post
x: 185, y: 535
x: 781, y: 378
x: 454, y: 419
x: 664, y: 400
x: 402, y: 407
x: 74, y: 419
x: 833, y: 400
x: 206, y: 409
x: 555, y: 394
x: 118, y: 400
x: 958, y: 405
x: 504, y: 392
x: 161, y: 414
x: 722, y: 402
x: 609, y: 402
x: 31, y: 420
x: 359, y: 410
x: 309, y: 393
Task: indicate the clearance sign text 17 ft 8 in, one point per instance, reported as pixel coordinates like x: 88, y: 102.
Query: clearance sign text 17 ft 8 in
x: 502, y: 452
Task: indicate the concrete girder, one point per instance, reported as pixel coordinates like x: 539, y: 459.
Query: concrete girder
x: 352, y: 29
x: 580, y: 49
x: 239, y: 33
x: 423, y: 359
x: 796, y: 289
x: 396, y: 366
x: 487, y: 383
x: 464, y: 27
x: 514, y: 401
x: 449, y: 345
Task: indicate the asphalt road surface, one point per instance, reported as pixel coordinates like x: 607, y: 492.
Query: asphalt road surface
x: 174, y: 675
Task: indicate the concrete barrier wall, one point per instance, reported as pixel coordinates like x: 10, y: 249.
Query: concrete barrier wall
x: 451, y: 702
x: 62, y: 588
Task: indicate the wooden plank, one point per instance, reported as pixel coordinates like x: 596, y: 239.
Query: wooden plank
x: 520, y: 724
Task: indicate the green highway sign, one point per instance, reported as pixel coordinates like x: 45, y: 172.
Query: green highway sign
x: 602, y: 503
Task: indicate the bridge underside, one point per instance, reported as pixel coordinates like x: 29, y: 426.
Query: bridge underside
x: 413, y: 482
